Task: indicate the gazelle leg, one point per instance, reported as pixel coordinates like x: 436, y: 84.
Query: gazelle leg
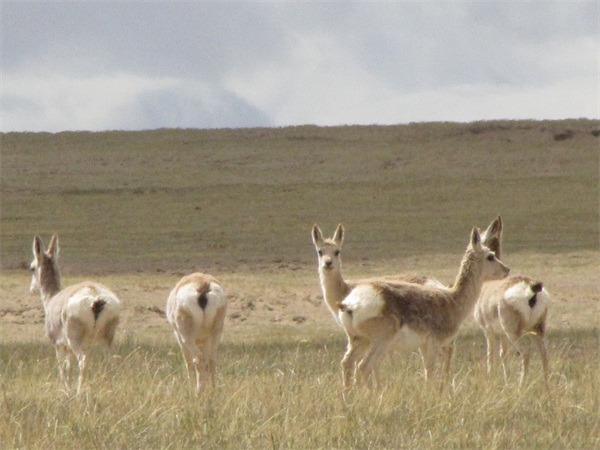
x: 199, y: 365
x: 369, y: 363
x: 541, y: 343
x: 504, y: 344
x: 448, y: 353
x: 76, y: 335
x: 186, y: 336
x: 63, y: 357
x: 356, y: 348
x: 109, y: 336
x: 429, y: 353
x: 211, y: 347
x: 82, y: 361
x: 525, y: 363
x: 189, y: 365
x: 492, y: 343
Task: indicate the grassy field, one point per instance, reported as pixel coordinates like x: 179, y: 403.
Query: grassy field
x: 287, y: 395
x: 179, y: 199
x: 137, y: 210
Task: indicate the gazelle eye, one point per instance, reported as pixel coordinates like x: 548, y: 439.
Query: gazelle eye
x: 320, y: 252
x: 337, y: 253
x: 490, y: 257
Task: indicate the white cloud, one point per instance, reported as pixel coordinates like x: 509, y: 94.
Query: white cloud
x: 321, y: 83
x: 464, y: 103
x: 560, y: 59
x: 314, y: 76
x: 115, y: 101
x: 61, y: 102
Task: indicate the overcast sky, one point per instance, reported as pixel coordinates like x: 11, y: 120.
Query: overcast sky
x: 145, y: 65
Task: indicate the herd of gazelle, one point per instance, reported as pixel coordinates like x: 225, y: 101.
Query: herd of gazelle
x: 405, y: 312
x: 417, y: 312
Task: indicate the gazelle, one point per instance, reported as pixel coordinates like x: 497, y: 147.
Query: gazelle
x: 509, y: 310
x: 196, y: 310
x: 333, y: 285
x: 335, y: 288
x: 379, y: 313
x: 75, y: 317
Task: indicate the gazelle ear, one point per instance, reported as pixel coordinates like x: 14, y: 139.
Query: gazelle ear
x: 475, y: 238
x: 499, y: 223
x: 338, y: 237
x: 492, y: 237
x: 495, y: 228
x: 53, y: 247
x: 317, y: 236
x: 38, y: 248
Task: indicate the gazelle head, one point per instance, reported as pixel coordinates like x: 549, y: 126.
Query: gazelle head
x: 492, y: 267
x: 44, y: 268
x: 328, y: 250
x: 492, y: 237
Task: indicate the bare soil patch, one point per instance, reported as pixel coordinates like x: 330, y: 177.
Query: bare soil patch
x: 279, y: 299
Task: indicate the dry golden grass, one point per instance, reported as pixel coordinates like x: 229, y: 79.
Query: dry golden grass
x: 280, y: 378
x: 287, y: 395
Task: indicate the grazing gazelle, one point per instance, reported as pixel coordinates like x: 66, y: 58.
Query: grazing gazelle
x: 379, y: 313
x: 196, y: 310
x: 511, y: 308
x: 75, y: 317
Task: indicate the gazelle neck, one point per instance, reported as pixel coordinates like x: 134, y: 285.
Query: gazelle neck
x: 468, y: 284
x: 49, y: 282
x: 334, y: 287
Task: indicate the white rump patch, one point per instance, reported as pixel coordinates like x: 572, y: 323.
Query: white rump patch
x: 517, y: 293
x: 365, y: 303
x: 187, y: 298
x: 518, y: 297
x: 543, y: 301
x: 80, y: 304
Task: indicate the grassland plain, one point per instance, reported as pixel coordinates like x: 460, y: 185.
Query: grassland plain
x: 138, y: 209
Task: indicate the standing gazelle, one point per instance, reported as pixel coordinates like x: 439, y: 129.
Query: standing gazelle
x: 75, y: 317
x: 196, y: 310
x: 379, y: 313
x: 510, y: 309
x: 335, y: 288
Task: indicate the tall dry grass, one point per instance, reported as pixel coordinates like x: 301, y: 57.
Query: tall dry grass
x: 288, y: 395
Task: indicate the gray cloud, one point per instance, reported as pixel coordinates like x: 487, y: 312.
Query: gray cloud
x: 183, y: 109
x: 148, y: 65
